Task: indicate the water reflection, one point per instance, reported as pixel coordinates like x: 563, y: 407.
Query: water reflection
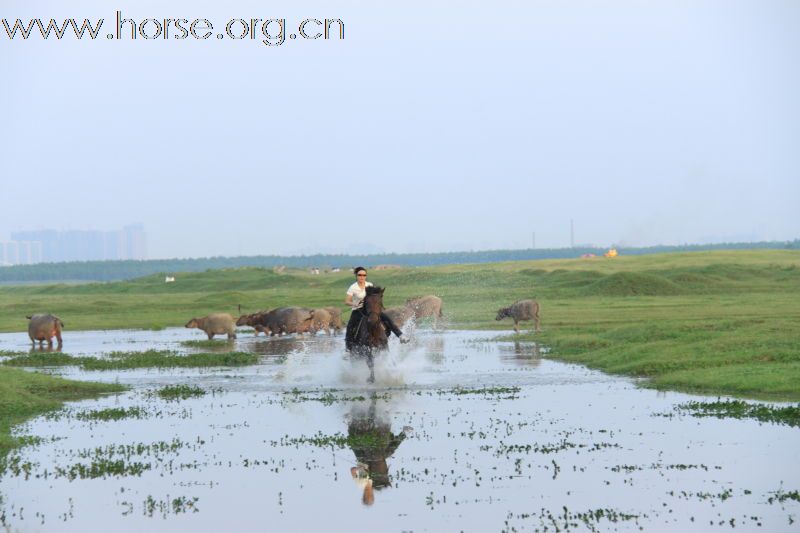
x: 292, y: 344
x: 372, y: 441
x: 43, y: 348
x: 522, y: 353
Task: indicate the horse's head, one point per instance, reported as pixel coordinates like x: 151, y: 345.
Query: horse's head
x: 373, y: 304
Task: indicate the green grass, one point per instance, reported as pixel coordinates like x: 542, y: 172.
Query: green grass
x: 130, y: 360
x: 721, y: 322
x: 205, y: 343
x: 707, y: 344
x: 27, y: 394
x: 112, y: 413
x: 180, y: 392
x: 789, y: 415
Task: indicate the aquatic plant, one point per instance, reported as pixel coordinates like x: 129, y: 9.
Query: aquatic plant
x: 781, y: 496
x: 331, y: 396
x: 789, y: 415
x: 205, y: 343
x: 131, y: 360
x: 180, y: 392
x: 114, y: 413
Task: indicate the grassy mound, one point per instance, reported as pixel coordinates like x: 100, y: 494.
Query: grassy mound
x: 631, y: 284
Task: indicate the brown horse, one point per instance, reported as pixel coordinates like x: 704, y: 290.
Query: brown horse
x: 371, y: 334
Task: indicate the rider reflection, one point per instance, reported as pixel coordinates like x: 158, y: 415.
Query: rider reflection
x: 372, y: 441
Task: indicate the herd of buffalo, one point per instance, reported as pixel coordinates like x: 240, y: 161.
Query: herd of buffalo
x: 284, y: 320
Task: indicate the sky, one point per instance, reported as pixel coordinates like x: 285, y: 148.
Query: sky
x: 432, y: 126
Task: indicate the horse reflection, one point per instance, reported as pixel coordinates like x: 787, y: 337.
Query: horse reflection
x: 372, y: 441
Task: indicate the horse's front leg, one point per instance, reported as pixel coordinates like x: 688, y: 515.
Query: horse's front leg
x: 371, y: 366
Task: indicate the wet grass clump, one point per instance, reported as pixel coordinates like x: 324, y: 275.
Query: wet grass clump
x: 27, y: 394
x: 131, y: 360
x: 114, y: 413
x: 178, y: 505
x: 205, y: 343
x: 180, y: 392
x: 499, y: 393
x: 566, y: 520
x: 369, y: 439
x: 789, y: 416
x: 483, y: 390
x: 42, y: 360
x: 102, y: 468
x: 157, y: 359
x: 781, y: 496
x: 329, y: 397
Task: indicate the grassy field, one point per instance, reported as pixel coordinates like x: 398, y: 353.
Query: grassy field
x: 25, y: 394
x: 713, y: 322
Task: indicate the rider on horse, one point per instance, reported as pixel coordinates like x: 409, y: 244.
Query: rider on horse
x: 358, y: 318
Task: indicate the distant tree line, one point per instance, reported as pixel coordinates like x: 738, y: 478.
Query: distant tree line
x: 124, y: 270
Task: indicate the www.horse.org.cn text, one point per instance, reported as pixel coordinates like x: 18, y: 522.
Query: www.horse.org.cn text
x: 268, y: 31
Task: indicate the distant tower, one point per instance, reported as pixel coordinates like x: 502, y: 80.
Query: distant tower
x: 571, y: 233
x: 533, y: 241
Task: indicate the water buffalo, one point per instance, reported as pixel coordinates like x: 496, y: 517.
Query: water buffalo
x: 215, y: 324
x: 521, y: 310
x: 426, y: 306
x: 400, y: 314
x: 43, y: 327
x: 320, y: 319
x: 254, y: 320
x: 285, y: 320
x: 336, y: 318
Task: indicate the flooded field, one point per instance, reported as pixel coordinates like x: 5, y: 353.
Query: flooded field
x: 459, y: 433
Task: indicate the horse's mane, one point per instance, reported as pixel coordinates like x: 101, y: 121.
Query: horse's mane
x: 374, y: 290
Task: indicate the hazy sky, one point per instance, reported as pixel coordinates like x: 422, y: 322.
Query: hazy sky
x: 430, y: 127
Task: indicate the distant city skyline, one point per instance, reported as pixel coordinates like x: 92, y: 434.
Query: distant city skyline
x: 27, y: 247
x: 50, y: 245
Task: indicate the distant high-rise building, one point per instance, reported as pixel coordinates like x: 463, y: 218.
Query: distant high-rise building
x: 11, y: 253
x: 114, y: 245
x: 36, y: 252
x: 24, y: 257
x: 51, y: 246
x: 136, y: 242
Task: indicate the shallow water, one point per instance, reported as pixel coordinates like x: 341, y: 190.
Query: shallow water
x: 459, y: 433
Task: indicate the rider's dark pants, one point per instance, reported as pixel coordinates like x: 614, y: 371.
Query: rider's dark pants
x: 352, y: 326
